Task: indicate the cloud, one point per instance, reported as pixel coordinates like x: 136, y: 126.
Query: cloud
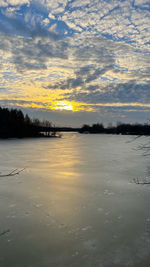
x: 120, y: 20
x: 28, y: 54
x: 53, y: 7
x: 6, y: 3
x: 94, y: 52
x: 97, y: 73
x: 17, y: 26
x: 10, y: 11
x: 35, y: 55
x: 82, y: 77
x: 120, y: 93
x: 51, y: 16
x: 46, y: 21
x: 30, y: 47
x: 144, y: 3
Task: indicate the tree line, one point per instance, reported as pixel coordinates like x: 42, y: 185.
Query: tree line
x: 13, y: 123
x: 120, y: 128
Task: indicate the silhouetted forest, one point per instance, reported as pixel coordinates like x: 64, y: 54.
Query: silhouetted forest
x: 14, y: 124
x: 120, y: 128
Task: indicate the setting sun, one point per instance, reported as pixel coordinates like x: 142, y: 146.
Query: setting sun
x: 64, y: 105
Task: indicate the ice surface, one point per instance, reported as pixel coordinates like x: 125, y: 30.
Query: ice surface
x: 74, y: 205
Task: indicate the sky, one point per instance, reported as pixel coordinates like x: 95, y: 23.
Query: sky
x: 74, y: 62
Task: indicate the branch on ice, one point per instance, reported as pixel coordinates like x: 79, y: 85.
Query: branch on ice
x: 13, y: 173
x: 137, y: 181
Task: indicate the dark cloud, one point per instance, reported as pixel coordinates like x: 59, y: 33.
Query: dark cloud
x: 17, y: 26
x: 83, y: 76
x: 93, y: 87
x: 68, y: 84
x: 27, y: 54
x: 98, y: 72
x: 98, y: 54
x: 24, y: 65
x: 35, y: 55
x: 31, y: 46
x: 16, y: 102
x: 98, y: 50
x: 4, y: 44
x: 122, y: 92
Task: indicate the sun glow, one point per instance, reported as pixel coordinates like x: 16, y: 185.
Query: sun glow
x: 64, y: 105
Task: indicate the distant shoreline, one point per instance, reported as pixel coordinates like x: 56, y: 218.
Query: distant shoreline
x: 14, y: 124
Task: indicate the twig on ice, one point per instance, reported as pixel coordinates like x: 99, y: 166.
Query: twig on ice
x: 5, y: 232
x: 12, y: 173
x: 137, y: 181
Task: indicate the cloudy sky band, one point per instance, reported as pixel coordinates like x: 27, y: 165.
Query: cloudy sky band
x: 91, y: 53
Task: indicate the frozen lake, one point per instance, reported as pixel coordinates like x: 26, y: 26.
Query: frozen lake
x: 75, y: 204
